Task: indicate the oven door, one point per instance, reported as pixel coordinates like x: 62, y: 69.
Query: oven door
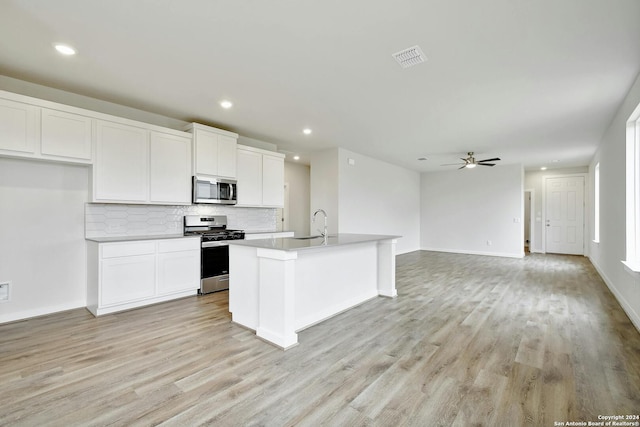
x: 214, y: 267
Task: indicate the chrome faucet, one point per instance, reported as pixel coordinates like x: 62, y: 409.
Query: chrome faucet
x: 324, y: 233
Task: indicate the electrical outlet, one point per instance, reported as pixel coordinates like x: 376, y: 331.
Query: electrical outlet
x: 4, y: 291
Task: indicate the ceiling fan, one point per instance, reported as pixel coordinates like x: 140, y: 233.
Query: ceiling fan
x: 471, y: 162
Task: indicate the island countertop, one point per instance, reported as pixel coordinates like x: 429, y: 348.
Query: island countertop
x: 280, y: 286
x: 298, y: 244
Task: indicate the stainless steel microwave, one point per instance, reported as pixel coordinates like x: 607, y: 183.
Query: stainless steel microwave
x: 214, y: 190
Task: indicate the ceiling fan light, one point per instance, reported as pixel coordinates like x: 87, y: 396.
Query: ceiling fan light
x: 470, y: 165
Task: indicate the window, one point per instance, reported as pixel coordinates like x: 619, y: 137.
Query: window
x: 596, y: 205
x: 633, y: 192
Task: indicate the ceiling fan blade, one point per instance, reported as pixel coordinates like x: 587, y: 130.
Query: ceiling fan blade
x: 486, y: 164
x: 462, y: 167
x: 489, y: 160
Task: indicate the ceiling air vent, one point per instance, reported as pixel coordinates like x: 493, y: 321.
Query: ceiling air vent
x: 410, y: 57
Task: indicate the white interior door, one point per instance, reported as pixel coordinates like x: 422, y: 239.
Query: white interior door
x: 564, y: 227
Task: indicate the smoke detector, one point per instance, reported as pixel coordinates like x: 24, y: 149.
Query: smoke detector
x: 410, y: 57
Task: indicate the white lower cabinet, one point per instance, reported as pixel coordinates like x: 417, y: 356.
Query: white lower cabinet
x: 124, y: 275
x: 178, y: 266
x: 128, y: 278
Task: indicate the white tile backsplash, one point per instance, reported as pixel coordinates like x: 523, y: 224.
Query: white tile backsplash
x: 112, y: 220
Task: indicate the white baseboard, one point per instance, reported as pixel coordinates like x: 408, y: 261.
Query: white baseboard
x: 42, y: 311
x: 465, y: 252
x: 633, y: 315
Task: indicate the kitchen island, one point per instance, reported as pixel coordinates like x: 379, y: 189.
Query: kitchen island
x: 280, y: 286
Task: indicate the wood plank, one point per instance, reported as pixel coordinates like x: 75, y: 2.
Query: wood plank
x: 470, y: 340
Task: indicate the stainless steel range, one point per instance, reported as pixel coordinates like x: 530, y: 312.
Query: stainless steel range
x: 214, y: 262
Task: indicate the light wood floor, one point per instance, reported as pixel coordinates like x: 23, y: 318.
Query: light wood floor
x: 470, y: 340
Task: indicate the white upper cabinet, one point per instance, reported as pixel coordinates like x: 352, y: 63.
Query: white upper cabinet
x: 136, y: 165
x: 133, y: 162
x: 214, y: 151
x: 272, y: 180
x: 249, y: 178
x: 31, y: 129
x: 170, y: 168
x: 227, y: 160
x: 260, y: 177
x: 121, y: 172
x: 18, y: 127
x: 206, y: 152
x: 66, y: 135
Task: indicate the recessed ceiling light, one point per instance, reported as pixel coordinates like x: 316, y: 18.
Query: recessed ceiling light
x: 544, y: 168
x: 226, y: 104
x: 296, y: 157
x: 306, y: 131
x: 65, y: 49
x: 422, y: 158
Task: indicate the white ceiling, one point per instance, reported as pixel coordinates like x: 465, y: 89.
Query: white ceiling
x: 528, y: 81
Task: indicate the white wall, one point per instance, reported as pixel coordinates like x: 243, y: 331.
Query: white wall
x: 297, y: 178
x: 607, y: 254
x: 324, y: 187
x: 463, y: 209
x: 370, y: 197
x: 376, y: 197
x: 42, y: 245
x: 534, y: 180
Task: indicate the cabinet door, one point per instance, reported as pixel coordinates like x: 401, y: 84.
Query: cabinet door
x: 65, y: 135
x: 121, y: 171
x: 227, y: 149
x: 206, y: 152
x: 249, y: 178
x: 18, y: 126
x: 178, y: 271
x: 272, y: 181
x: 127, y: 279
x: 169, y: 169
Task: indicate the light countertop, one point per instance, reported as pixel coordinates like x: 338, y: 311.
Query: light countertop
x: 134, y: 238
x: 296, y: 244
x: 265, y: 232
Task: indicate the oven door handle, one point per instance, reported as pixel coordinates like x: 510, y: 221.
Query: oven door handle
x: 214, y: 244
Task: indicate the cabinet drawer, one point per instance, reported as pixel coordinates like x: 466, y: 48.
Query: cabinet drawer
x: 112, y: 250
x: 177, y: 245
